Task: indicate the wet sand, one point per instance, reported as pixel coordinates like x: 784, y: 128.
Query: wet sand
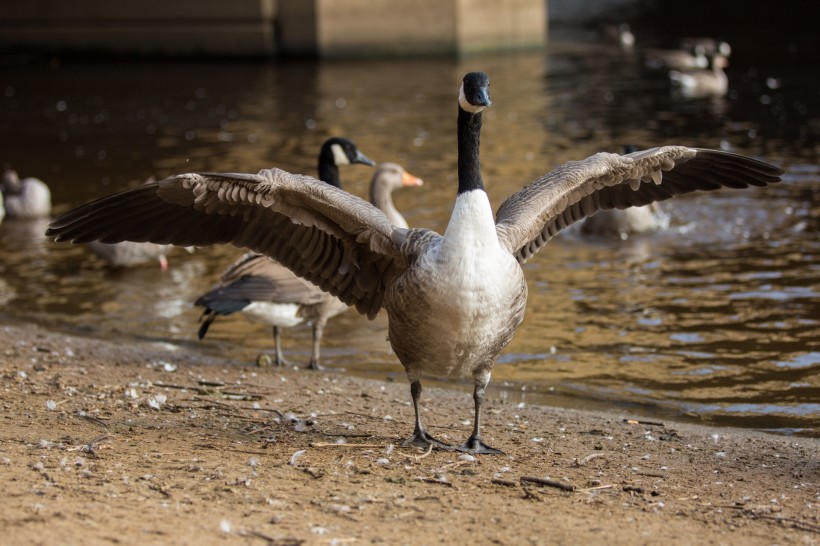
x: 140, y: 443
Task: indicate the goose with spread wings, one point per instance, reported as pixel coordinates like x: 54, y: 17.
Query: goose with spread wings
x: 453, y: 300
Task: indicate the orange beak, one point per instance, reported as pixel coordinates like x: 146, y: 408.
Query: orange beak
x: 408, y: 179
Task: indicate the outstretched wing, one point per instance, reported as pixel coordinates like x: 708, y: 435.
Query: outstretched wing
x: 330, y: 237
x: 533, y: 215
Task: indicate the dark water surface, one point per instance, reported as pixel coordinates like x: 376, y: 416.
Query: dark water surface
x: 716, y: 319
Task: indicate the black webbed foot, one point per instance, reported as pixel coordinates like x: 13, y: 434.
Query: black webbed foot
x: 421, y: 439
x: 475, y: 445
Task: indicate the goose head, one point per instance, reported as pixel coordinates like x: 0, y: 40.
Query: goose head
x: 724, y: 49
x: 392, y: 176
x: 389, y: 177
x: 699, y: 57
x: 474, y: 95
x: 10, y: 184
x: 339, y: 151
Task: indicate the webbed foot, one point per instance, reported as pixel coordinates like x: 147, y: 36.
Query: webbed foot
x: 315, y: 366
x: 421, y: 439
x: 268, y: 361
x: 475, y: 445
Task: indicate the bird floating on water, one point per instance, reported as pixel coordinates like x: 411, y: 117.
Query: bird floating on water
x: 709, y: 82
x: 453, y: 300
x: 24, y: 199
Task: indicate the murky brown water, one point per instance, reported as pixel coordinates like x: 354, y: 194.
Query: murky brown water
x: 717, y: 318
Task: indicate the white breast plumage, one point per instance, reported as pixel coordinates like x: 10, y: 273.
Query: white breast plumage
x: 276, y: 314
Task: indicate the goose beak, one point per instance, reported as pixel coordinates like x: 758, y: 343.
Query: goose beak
x: 483, y: 97
x: 408, y: 179
x: 363, y: 159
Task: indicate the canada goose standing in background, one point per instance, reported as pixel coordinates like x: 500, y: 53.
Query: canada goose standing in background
x: 266, y: 291
x: 25, y: 199
x: 454, y: 300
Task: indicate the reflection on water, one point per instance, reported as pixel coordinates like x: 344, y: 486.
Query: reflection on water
x: 717, y: 318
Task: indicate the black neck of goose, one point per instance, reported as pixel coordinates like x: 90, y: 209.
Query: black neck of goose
x: 328, y: 170
x: 469, y: 168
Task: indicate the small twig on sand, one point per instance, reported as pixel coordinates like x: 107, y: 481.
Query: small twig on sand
x: 95, y: 420
x: 507, y: 483
x: 160, y: 489
x: 173, y: 386
x: 585, y: 460
x: 755, y: 514
x: 214, y: 402
x: 798, y: 524
x: 207, y: 383
x: 456, y: 464
x: 596, y: 488
x: 639, y: 422
x: 333, y: 444
x: 90, y: 447
x: 652, y: 474
x: 420, y: 457
x: 241, y: 396
x: 192, y: 388
x: 437, y: 481
x: 345, y: 435
x: 260, y: 429
x: 549, y: 483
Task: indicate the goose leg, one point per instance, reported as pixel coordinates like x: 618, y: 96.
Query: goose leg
x: 474, y: 443
x: 318, y: 331
x: 420, y: 437
x: 280, y: 359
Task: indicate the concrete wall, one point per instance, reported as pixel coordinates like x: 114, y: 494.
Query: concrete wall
x: 143, y: 27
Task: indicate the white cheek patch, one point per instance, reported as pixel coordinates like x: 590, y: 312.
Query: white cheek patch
x: 339, y: 155
x: 465, y: 104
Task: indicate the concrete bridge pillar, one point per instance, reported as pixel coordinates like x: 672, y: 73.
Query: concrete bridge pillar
x: 364, y: 28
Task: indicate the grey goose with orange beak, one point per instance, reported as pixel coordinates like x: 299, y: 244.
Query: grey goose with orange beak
x: 453, y: 301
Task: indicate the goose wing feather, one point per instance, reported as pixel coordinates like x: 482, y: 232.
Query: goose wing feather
x: 333, y: 239
x: 255, y: 277
x: 533, y: 215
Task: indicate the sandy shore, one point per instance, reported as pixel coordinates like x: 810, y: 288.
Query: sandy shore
x: 106, y: 443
